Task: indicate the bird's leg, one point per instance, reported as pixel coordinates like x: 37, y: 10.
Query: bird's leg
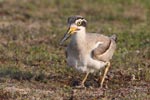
x: 83, y: 81
x: 105, y: 72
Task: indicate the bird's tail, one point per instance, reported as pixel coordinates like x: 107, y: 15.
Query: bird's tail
x: 114, y: 37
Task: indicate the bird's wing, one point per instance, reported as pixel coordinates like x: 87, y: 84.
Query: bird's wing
x: 104, y: 48
x: 101, y: 47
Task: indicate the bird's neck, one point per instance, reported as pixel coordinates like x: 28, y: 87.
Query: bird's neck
x: 79, y: 38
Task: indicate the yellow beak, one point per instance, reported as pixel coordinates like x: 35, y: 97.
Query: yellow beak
x: 70, y: 31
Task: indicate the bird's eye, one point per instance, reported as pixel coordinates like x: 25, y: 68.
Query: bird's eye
x: 79, y: 23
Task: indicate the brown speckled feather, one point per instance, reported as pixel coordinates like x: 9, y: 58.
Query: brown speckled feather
x: 104, y: 51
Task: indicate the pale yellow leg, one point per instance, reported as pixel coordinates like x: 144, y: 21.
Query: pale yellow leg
x: 83, y: 81
x: 105, y: 72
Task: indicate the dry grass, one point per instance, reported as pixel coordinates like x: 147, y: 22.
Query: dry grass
x: 33, y: 66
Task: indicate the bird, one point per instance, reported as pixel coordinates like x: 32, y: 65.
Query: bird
x: 87, y: 52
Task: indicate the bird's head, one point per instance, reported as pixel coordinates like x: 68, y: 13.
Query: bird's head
x: 76, y: 24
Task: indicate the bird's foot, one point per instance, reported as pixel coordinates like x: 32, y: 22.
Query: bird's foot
x: 81, y: 86
x: 101, y: 86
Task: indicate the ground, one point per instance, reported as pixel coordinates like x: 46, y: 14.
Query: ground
x: 33, y: 65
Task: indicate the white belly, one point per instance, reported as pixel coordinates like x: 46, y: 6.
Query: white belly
x: 88, y: 65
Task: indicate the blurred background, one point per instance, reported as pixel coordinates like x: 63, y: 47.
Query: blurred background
x: 33, y: 66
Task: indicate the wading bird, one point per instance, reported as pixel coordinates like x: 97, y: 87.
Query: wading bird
x: 88, y: 52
